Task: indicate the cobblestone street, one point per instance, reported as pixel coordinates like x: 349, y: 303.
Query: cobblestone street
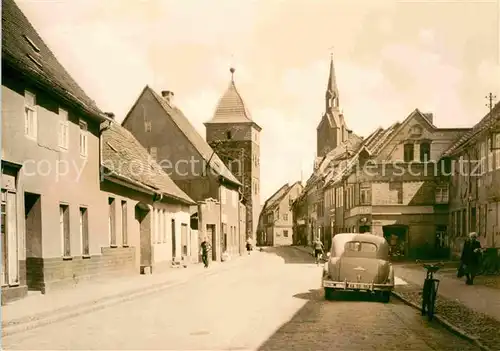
x: 280, y: 307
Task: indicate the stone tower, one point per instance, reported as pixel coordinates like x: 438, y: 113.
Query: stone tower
x: 332, y: 129
x: 235, y: 137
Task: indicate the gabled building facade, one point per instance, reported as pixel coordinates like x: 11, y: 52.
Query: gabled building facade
x: 395, y: 186
x: 474, y: 205
x: 235, y: 137
x: 192, y: 164
x: 277, y: 217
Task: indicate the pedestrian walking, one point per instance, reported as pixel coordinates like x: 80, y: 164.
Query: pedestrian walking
x: 249, y: 246
x: 318, y: 250
x: 205, y: 249
x: 470, y: 259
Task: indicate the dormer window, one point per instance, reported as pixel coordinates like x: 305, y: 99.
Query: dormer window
x: 228, y: 135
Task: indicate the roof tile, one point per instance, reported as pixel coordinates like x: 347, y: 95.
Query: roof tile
x: 124, y: 157
x: 24, y: 50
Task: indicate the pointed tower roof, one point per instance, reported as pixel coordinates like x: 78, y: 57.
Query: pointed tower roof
x: 332, y: 80
x: 231, y: 107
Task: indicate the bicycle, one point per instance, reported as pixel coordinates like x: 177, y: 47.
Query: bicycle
x: 429, y: 290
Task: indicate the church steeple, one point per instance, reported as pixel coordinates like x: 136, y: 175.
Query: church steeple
x: 332, y: 92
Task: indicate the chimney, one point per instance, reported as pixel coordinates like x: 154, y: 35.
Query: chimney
x: 111, y: 115
x: 429, y: 116
x: 168, y: 96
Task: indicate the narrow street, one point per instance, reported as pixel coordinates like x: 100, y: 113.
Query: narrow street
x: 271, y: 302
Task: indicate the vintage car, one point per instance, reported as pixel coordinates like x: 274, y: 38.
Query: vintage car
x: 358, y: 262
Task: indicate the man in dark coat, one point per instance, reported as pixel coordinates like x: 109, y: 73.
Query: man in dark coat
x: 471, y: 255
x: 205, y: 249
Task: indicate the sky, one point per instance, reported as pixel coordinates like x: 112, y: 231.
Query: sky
x: 390, y: 58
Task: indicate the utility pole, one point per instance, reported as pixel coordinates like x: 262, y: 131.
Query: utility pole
x: 491, y: 98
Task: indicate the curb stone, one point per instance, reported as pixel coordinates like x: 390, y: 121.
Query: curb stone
x: 44, y: 318
x: 440, y: 319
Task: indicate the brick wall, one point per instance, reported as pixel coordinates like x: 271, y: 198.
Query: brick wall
x: 50, y: 273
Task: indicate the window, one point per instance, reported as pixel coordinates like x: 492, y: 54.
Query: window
x: 482, y: 155
x: 409, y: 152
x: 30, y: 116
x: 442, y: 194
x: 153, y: 151
x: 83, y: 138
x: 365, y: 194
x: 63, y: 129
x: 111, y: 222
x: 228, y: 135
x: 64, y: 229
x: 124, y: 224
x: 285, y: 233
x: 490, y: 155
x: 398, y: 187
x: 235, y: 167
x: 358, y: 246
x: 425, y: 152
x: 496, y: 148
x: 147, y: 126
x: 84, y: 231
x: 285, y: 216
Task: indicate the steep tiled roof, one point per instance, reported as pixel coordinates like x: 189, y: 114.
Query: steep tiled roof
x: 196, y: 139
x: 24, y: 51
x: 125, y: 158
x: 278, y: 200
x: 270, y: 201
x: 231, y: 108
x: 486, y: 122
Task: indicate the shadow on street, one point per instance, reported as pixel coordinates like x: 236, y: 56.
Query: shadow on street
x: 290, y: 255
x: 309, y: 328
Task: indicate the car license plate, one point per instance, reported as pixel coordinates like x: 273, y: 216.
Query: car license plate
x: 358, y: 286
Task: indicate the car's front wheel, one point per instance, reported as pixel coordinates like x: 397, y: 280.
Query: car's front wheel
x: 329, y: 292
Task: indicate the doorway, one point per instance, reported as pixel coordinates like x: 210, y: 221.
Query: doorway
x: 396, y: 236
x: 143, y: 216
x: 33, y: 221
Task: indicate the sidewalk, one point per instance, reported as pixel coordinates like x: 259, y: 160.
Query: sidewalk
x: 476, y: 297
x: 37, y: 309
x: 471, y: 311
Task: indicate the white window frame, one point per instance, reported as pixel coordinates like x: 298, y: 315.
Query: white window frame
x: 442, y: 195
x: 490, y: 155
x: 84, y: 141
x: 63, y: 135
x: 147, y: 126
x: 30, y: 116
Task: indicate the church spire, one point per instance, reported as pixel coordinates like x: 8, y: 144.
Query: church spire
x: 332, y: 92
